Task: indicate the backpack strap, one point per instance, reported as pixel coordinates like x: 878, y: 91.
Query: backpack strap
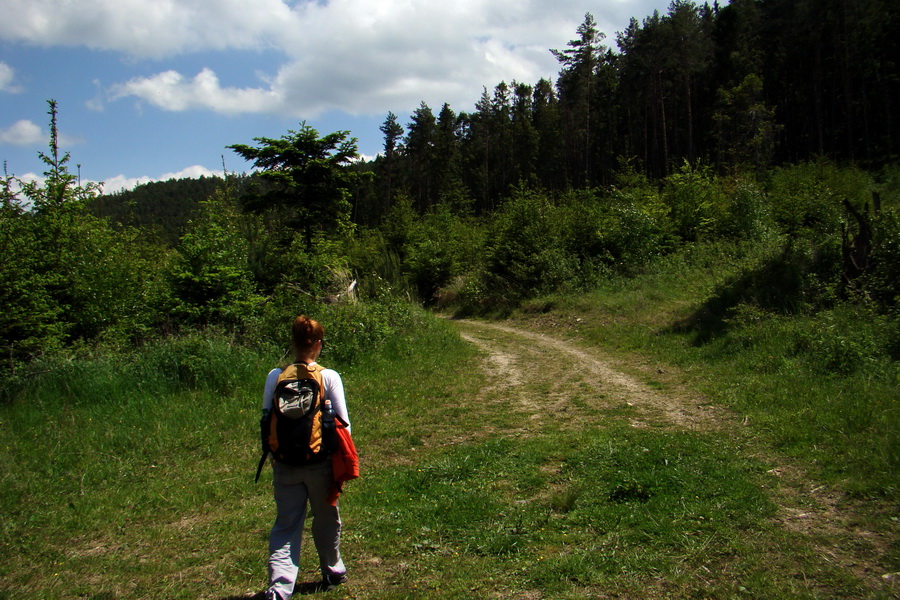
x: 259, y: 467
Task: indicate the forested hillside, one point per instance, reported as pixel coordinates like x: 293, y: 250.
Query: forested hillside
x: 742, y: 86
x: 764, y: 126
x: 698, y: 222
x: 162, y: 207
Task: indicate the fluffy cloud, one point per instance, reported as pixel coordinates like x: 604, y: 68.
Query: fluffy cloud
x: 364, y: 57
x: 172, y: 91
x: 145, y: 29
x: 26, y: 133
x: 170, y: 27
x: 357, y: 56
x: 121, y: 182
x: 22, y: 133
x: 7, y: 79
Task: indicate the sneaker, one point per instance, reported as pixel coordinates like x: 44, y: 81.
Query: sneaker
x: 331, y: 582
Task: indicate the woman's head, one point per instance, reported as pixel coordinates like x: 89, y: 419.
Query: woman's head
x: 305, y: 334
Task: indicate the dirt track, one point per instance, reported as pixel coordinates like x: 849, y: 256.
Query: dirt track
x: 519, y: 363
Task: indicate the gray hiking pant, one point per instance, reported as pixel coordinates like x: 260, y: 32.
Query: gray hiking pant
x: 294, y: 487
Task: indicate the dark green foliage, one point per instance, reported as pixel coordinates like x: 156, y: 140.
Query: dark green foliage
x: 162, y: 207
x: 746, y: 129
x: 807, y: 199
x: 441, y: 246
x: 69, y: 278
x: 211, y: 278
x: 697, y: 206
x: 747, y: 212
x: 883, y: 279
x: 29, y: 321
x: 526, y: 253
x: 628, y: 237
x: 305, y: 180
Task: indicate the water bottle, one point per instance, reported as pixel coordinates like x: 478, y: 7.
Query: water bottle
x: 329, y: 436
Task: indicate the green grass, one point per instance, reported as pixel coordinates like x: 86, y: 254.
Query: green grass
x: 110, y: 464
x: 820, y: 385
x: 601, y: 509
x: 133, y: 479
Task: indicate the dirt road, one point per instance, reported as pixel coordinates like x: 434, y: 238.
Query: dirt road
x: 526, y: 370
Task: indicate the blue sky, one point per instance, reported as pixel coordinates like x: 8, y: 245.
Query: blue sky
x: 154, y: 90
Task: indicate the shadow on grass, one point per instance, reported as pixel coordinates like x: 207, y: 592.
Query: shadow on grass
x: 778, y: 285
x: 300, y: 589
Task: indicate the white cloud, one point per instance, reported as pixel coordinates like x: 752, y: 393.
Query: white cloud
x: 144, y: 29
x: 8, y: 79
x: 361, y: 57
x: 22, y: 133
x: 121, y: 182
x: 172, y: 91
x: 366, y: 58
x: 26, y: 133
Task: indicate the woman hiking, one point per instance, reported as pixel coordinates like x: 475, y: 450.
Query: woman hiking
x: 312, y: 483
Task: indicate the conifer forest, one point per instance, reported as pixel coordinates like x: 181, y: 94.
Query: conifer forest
x: 770, y: 124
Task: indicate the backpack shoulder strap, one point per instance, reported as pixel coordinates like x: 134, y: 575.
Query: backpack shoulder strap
x: 314, y: 370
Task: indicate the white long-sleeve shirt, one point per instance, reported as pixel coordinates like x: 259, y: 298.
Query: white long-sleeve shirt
x: 334, y: 391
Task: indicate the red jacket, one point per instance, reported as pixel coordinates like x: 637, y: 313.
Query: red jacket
x: 344, y: 462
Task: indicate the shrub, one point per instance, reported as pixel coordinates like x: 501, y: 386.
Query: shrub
x: 526, y: 247
x: 748, y: 215
x: 843, y: 340
x: 353, y: 328
x: 376, y: 264
x: 882, y: 282
x: 806, y: 199
x: 211, y: 277
x: 697, y: 204
x: 440, y: 246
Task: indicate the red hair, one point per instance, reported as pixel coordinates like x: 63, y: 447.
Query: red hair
x: 305, y: 332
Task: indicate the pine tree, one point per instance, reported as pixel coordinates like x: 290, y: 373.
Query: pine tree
x: 393, y: 132
x: 576, y: 81
x: 419, y: 151
x: 307, y: 180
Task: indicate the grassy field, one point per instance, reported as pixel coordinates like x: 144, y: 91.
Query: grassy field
x: 821, y: 387
x: 126, y: 478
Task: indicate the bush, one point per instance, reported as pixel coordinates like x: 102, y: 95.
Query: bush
x: 376, y: 264
x: 353, y: 328
x: 70, y: 278
x: 526, y: 247
x: 806, y: 199
x: 748, y: 216
x: 30, y: 319
x: 630, y: 237
x: 211, y: 277
x: 882, y: 282
x: 440, y: 246
x: 698, y: 207
x: 844, y: 340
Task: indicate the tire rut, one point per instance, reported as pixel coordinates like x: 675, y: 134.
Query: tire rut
x: 827, y: 519
x: 581, y: 368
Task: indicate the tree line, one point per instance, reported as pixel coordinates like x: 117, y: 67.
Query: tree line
x: 745, y: 86
x: 710, y: 125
